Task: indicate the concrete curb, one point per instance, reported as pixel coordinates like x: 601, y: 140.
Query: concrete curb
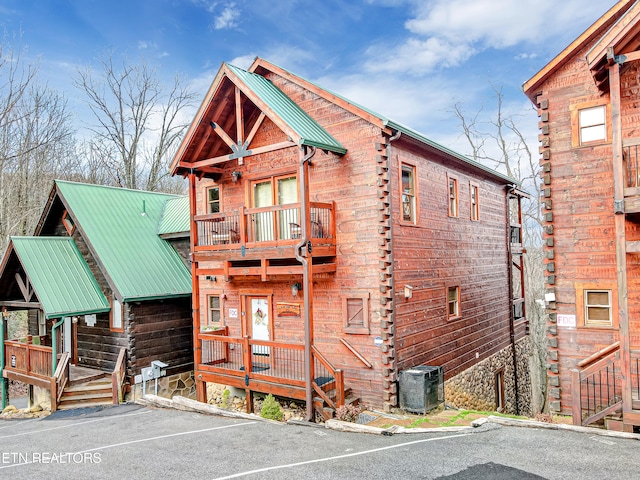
x: 393, y: 430
x: 513, y: 422
x: 186, y: 404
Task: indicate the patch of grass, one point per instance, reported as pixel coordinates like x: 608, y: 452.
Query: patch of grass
x: 462, y: 414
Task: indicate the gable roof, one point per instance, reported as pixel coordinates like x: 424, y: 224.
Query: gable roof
x: 275, y: 104
x: 531, y: 87
x: 120, y: 227
x: 59, y: 275
x: 175, y: 217
x: 260, y: 64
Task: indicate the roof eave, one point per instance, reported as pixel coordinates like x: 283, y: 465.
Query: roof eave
x: 145, y: 298
x: 75, y: 313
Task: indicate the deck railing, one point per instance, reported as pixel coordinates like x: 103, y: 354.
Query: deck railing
x: 631, y: 161
x: 28, y: 358
x: 276, y: 225
x: 596, y: 386
x: 275, y: 362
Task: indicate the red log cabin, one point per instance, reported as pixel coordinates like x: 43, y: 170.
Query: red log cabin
x: 587, y: 99
x: 333, y: 248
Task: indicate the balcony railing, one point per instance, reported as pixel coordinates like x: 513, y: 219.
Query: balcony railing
x: 272, y: 226
x: 27, y: 358
x: 631, y: 159
x: 259, y: 361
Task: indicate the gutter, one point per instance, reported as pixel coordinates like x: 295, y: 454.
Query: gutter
x: 306, y: 275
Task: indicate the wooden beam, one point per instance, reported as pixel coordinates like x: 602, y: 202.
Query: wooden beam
x: 621, y: 244
x: 24, y: 287
x: 244, y: 153
x: 23, y: 305
x: 223, y: 135
x: 28, y: 379
x: 239, y: 118
x: 254, y: 130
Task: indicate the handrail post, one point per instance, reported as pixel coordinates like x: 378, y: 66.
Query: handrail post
x: 54, y: 345
x: 576, y: 397
x: 4, y: 390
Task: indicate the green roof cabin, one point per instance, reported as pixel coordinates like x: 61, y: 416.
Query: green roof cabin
x: 106, y: 286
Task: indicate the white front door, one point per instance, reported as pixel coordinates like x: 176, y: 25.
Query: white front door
x: 259, y: 320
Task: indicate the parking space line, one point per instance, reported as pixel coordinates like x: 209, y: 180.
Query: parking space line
x: 338, y: 457
x: 18, y: 422
x: 141, y: 440
x: 75, y: 424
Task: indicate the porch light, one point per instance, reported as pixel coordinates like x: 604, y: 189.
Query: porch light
x: 408, y: 291
x: 235, y: 176
x: 295, y: 288
x: 5, y: 313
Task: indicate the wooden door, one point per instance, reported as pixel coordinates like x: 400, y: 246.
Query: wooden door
x: 258, y: 320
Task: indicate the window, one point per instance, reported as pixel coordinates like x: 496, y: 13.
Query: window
x: 116, y: 316
x: 275, y: 224
x: 592, y: 123
x: 213, y: 200
x: 589, y: 124
x: 67, y: 221
x: 214, y: 310
x: 453, y: 197
x: 408, y: 194
x: 499, y: 389
x: 596, y: 305
x: 473, y: 200
x: 355, y: 311
x: 597, y: 308
x: 453, y: 301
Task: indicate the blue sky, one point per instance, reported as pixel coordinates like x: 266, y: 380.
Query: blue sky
x: 410, y: 60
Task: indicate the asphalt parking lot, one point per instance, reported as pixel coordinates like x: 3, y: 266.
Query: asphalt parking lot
x: 130, y: 441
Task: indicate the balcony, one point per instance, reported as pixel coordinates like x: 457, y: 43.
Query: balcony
x: 631, y: 166
x: 264, y: 233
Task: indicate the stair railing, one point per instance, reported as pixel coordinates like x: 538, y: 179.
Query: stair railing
x: 118, y: 377
x: 59, y: 380
x: 328, y: 381
x: 596, y: 386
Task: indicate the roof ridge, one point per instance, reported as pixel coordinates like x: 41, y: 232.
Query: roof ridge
x: 113, y: 187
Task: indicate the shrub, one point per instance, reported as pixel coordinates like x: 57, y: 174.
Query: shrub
x: 349, y: 413
x: 225, y: 398
x: 271, y: 409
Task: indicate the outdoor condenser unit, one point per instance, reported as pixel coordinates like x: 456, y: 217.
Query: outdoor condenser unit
x: 421, y: 388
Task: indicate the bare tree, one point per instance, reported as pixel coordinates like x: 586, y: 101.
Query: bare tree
x: 138, y: 121
x: 497, y: 141
x: 36, y: 141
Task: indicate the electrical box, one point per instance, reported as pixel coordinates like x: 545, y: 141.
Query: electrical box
x: 421, y: 388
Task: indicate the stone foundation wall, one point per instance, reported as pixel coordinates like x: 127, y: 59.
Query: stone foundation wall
x: 475, y: 388
x: 182, y: 384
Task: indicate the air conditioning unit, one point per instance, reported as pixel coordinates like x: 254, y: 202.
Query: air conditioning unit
x: 421, y: 388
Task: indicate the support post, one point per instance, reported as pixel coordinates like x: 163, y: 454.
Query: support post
x: 4, y: 383
x: 54, y: 345
x: 621, y: 247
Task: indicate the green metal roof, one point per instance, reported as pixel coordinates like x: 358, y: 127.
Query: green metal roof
x: 309, y: 131
x: 60, y: 276
x: 175, y: 216
x: 121, y: 226
x: 387, y: 122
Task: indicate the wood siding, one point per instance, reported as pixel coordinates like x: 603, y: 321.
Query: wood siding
x: 433, y: 254
x: 579, y: 228
x: 98, y: 346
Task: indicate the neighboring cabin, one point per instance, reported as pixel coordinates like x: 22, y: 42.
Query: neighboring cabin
x: 109, y: 267
x: 587, y: 99
x: 333, y: 248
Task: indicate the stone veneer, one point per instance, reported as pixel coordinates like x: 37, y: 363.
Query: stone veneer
x: 182, y: 384
x: 474, y: 389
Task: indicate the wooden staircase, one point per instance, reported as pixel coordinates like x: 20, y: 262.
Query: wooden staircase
x: 327, y: 411
x: 88, y: 392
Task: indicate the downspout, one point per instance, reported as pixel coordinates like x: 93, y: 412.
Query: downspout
x: 307, y: 280
x: 3, y: 381
x: 54, y: 346
x: 512, y: 331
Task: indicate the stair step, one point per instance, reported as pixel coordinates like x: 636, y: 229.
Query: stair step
x: 70, y: 406
x: 352, y: 400
x: 81, y: 389
x: 97, y: 377
x: 86, y: 397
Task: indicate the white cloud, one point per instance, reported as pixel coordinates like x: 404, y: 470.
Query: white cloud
x: 446, y: 33
x: 227, y: 18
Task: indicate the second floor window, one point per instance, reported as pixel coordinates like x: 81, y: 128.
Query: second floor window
x: 475, y: 211
x: 593, y: 126
x: 453, y: 197
x: 213, y: 200
x: 453, y: 301
x: 408, y: 194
